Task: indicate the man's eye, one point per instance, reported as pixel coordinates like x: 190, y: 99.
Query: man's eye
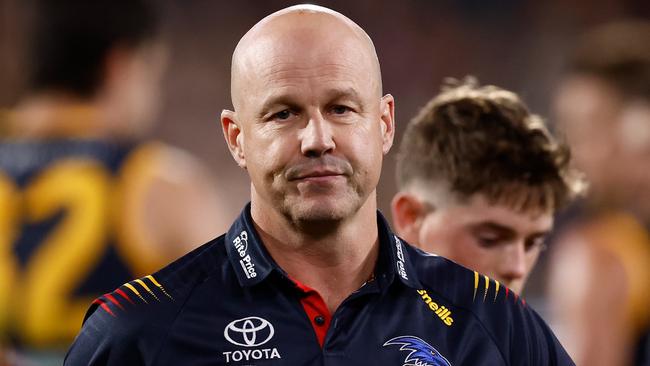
x: 487, y: 241
x: 282, y: 115
x: 489, y: 238
x: 538, y: 243
x: 340, y: 109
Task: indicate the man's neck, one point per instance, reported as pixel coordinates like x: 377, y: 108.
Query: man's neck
x: 336, y: 263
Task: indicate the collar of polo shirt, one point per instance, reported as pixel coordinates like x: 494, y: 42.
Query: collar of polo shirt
x: 252, y: 263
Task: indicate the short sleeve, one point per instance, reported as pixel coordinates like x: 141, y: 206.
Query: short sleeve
x: 104, y: 340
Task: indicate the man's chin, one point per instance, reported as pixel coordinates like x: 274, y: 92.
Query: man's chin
x: 321, y: 210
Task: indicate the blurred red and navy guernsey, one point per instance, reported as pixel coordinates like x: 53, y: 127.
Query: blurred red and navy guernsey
x: 228, y: 303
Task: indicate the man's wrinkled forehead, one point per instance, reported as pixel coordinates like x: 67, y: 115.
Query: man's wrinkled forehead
x: 302, y: 37
x: 296, y: 57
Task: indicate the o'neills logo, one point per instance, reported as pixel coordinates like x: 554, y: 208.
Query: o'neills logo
x: 401, y: 268
x: 441, y: 311
x: 241, y: 245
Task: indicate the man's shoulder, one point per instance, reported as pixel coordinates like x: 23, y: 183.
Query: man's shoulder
x: 474, y: 300
x: 143, y: 310
x: 460, y: 284
x: 464, y: 288
x: 166, y: 288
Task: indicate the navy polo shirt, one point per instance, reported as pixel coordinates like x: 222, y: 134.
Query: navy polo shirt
x: 228, y: 303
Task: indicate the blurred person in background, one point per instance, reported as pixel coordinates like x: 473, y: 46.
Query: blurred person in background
x: 600, y: 271
x: 86, y: 203
x: 480, y: 179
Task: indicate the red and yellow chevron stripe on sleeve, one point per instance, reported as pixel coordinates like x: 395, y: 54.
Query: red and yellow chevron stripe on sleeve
x: 483, y: 284
x: 130, y: 292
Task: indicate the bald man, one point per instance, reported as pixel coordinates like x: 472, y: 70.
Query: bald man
x: 310, y: 273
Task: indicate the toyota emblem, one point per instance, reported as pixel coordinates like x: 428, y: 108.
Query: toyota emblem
x: 249, y: 332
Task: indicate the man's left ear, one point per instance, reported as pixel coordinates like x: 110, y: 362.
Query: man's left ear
x: 408, y: 213
x: 387, y: 110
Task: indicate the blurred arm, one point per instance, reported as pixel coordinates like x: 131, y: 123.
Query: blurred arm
x: 170, y: 206
x: 589, y: 297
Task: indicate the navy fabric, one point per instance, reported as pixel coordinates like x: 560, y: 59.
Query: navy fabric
x: 229, y: 303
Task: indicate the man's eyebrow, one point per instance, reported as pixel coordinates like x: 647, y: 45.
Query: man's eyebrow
x: 540, y: 234
x: 491, y: 225
x: 505, y: 230
x: 344, y: 93
x: 290, y: 100
x: 272, y: 101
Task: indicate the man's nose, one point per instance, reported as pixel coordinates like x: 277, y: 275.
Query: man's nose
x: 316, y: 137
x: 512, y: 266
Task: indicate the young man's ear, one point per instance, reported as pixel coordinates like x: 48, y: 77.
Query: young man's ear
x: 408, y: 213
x: 234, y: 136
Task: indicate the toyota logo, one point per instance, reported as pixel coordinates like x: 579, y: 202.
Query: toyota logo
x: 249, y: 332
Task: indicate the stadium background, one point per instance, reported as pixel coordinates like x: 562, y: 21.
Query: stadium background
x: 519, y: 45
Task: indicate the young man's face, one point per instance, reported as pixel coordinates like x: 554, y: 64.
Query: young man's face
x: 492, y: 239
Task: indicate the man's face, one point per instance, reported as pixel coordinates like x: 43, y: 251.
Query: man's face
x: 314, y: 127
x: 492, y: 239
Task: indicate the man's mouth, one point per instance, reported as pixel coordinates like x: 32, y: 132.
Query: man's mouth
x: 324, y: 169
x: 318, y: 174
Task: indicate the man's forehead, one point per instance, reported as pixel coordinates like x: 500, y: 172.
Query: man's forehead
x: 302, y: 51
x: 480, y: 210
x: 323, y: 72
x: 301, y: 47
x: 293, y: 44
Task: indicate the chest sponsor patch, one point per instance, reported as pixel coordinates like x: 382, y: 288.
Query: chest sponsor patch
x: 250, y: 334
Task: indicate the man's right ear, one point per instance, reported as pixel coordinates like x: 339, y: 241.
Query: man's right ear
x: 408, y: 213
x: 234, y: 137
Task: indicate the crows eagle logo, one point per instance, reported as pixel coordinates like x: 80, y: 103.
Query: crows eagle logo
x: 421, y: 353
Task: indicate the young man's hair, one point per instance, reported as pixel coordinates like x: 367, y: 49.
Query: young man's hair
x: 617, y: 53
x: 474, y: 139
x: 70, y: 40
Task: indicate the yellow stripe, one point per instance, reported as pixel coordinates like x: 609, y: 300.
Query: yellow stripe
x: 487, y: 285
x: 147, y: 288
x: 475, y: 285
x: 130, y: 286
x: 497, y: 290
x: 153, y: 280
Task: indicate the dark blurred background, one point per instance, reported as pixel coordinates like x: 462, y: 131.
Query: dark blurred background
x: 519, y: 45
